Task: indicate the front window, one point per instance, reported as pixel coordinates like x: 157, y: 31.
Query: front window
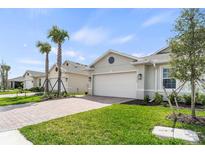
x: 168, y: 82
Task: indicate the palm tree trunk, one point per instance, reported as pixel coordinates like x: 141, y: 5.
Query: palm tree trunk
x: 59, y: 62
x: 47, y: 67
x: 193, y: 99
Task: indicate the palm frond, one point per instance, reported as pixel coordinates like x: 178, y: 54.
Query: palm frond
x: 44, y: 47
x: 58, y: 35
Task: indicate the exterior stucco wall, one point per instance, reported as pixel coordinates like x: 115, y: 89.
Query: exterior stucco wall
x: 154, y: 81
x: 54, y: 74
x: 77, y: 83
x: 140, y: 82
x: 72, y: 82
x: 120, y: 64
x: 28, y: 81
x: 39, y: 83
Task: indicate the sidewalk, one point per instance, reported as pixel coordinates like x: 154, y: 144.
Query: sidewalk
x: 14, y: 95
x: 13, y: 137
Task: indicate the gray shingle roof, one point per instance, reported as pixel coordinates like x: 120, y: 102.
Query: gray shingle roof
x: 34, y: 73
x: 161, y: 56
x: 73, y: 67
x: 19, y: 78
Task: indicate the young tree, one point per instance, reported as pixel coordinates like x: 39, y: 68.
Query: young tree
x: 7, y: 69
x: 188, y: 49
x: 58, y: 36
x: 45, y: 48
x: 4, y: 69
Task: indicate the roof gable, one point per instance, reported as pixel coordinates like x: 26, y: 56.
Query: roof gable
x: 114, y: 52
x: 71, y: 67
x: 34, y: 73
x: 164, y: 50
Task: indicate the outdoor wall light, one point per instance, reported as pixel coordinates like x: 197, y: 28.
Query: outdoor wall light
x: 139, y: 76
x: 89, y: 79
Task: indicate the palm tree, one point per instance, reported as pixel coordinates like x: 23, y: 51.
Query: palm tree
x: 45, y: 48
x: 58, y: 36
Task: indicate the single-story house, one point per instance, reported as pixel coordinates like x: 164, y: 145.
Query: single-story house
x: 75, y: 77
x: 116, y: 74
x: 33, y: 79
x: 16, y: 82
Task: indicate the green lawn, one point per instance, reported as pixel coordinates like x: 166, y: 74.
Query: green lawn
x: 15, y: 91
x: 19, y: 100
x: 116, y: 124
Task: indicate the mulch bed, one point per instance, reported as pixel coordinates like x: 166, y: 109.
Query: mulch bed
x: 188, y: 119
x: 138, y: 102
x: 181, y: 105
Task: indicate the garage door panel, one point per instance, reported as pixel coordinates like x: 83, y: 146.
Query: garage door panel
x: 115, y: 85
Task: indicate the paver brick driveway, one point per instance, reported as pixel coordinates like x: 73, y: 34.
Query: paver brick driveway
x: 14, y: 117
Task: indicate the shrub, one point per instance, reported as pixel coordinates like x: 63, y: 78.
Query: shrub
x: 146, y: 99
x: 187, y: 99
x: 20, y: 90
x: 37, y: 89
x: 158, y: 99
x: 64, y: 94
x: 172, y: 97
x: 201, y: 99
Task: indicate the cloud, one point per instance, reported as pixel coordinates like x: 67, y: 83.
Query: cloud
x: 74, y: 54
x: 54, y: 50
x: 81, y: 58
x: 24, y: 45
x: 30, y: 61
x: 160, y: 18
x: 70, y: 53
x: 90, y: 36
x: 140, y: 54
x: 123, y: 39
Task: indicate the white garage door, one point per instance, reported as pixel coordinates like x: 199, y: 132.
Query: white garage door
x: 115, y: 85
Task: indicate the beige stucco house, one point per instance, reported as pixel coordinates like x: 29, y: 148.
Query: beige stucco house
x: 117, y: 74
x: 75, y: 77
x: 16, y: 82
x: 33, y: 79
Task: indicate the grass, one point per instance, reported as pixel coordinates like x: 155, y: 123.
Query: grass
x: 15, y: 91
x: 19, y: 100
x: 116, y: 124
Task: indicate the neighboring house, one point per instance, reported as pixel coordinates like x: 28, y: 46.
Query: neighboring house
x: 117, y: 74
x: 75, y: 77
x: 33, y: 79
x: 16, y: 82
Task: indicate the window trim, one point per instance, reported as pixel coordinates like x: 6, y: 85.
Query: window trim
x: 167, y: 78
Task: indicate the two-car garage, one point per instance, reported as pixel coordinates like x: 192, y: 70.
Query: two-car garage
x: 115, y: 85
